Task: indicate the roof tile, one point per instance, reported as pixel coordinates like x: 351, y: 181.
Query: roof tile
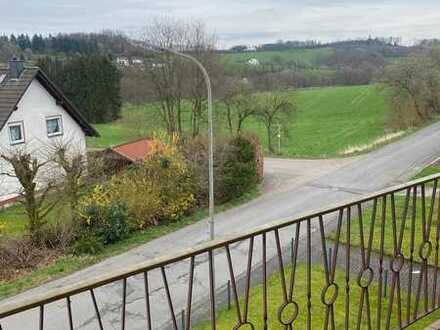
x: 134, y: 151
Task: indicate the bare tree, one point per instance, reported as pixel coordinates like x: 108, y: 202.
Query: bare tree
x: 176, y: 79
x: 74, y: 167
x: 274, y: 107
x: 165, y: 69
x: 415, y: 86
x: 240, y: 104
x: 201, y: 45
x: 36, y: 204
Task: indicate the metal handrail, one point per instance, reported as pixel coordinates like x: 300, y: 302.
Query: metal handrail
x: 21, y: 305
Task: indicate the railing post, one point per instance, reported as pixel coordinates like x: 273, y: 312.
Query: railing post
x: 386, y: 284
x: 329, y: 258
x: 291, y: 249
x: 182, y: 317
x: 229, y: 295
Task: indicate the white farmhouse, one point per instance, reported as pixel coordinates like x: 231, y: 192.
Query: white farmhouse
x: 34, y: 115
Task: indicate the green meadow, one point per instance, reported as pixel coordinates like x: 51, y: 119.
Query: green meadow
x: 327, y: 121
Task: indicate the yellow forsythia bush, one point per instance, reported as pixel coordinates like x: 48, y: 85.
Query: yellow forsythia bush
x: 161, y: 188
x: 99, y: 198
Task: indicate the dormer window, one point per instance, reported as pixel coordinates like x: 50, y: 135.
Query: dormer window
x: 16, y: 132
x: 54, y: 126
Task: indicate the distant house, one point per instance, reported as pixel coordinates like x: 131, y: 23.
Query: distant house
x: 124, y: 155
x: 253, y: 61
x: 137, y: 61
x: 34, y: 115
x: 123, y: 61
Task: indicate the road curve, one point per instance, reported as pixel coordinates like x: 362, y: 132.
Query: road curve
x: 331, y: 182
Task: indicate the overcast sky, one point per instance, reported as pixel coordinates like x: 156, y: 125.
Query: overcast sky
x: 234, y: 21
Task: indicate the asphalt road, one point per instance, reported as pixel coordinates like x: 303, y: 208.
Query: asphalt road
x: 292, y: 187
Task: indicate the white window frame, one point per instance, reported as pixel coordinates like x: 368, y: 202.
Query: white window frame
x: 59, y: 117
x: 14, y: 124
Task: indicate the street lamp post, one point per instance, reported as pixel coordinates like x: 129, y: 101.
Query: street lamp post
x: 210, y: 130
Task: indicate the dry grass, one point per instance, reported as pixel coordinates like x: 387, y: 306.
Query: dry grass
x: 368, y: 146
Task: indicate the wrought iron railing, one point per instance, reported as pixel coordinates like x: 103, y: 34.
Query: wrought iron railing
x: 369, y: 263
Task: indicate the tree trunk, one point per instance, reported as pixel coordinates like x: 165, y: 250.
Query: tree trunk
x: 229, y: 116
x: 269, y: 138
x: 239, y: 124
x: 179, y: 127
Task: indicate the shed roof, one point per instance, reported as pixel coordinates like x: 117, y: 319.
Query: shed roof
x: 135, y: 150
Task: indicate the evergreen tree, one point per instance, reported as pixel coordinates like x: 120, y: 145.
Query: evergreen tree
x: 24, y: 42
x: 92, y: 83
x: 13, y: 39
x: 38, y: 44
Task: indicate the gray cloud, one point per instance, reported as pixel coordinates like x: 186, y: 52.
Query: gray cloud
x: 234, y: 21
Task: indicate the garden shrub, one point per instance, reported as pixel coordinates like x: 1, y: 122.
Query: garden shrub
x: 115, y: 227
x: 240, y: 171
x: 142, y: 200
x: 196, y: 155
x: 87, y: 244
x: 58, y: 235
x: 235, y: 167
x: 161, y: 188
x: 104, y: 216
x: 259, y: 155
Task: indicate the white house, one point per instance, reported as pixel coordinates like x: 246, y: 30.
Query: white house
x: 34, y: 115
x: 123, y: 61
x: 253, y: 62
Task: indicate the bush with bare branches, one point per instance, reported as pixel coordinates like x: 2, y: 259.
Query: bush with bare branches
x: 26, y: 169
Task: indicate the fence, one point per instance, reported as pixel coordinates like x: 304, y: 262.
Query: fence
x: 369, y: 263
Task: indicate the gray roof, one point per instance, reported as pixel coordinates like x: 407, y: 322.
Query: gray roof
x: 12, y: 90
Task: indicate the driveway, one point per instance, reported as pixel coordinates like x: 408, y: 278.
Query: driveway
x: 291, y: 187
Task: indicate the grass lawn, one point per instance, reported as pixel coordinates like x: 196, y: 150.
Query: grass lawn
x: 226, y: 319
x: 429, y: 170
x: 388, y: 241
x: 307, y: 57
x: 328, y: 121
x: 331, y: 119
x: 13, y: 218
x: 14, y: 223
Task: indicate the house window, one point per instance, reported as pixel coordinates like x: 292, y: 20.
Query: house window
x: 16, y: 132
x: 54, y: 126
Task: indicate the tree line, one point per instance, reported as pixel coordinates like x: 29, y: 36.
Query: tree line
x: 413, y: 86
x: 106, y: 42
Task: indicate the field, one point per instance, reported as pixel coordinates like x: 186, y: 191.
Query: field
x: 306, y: 57
x: 328, y: 121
